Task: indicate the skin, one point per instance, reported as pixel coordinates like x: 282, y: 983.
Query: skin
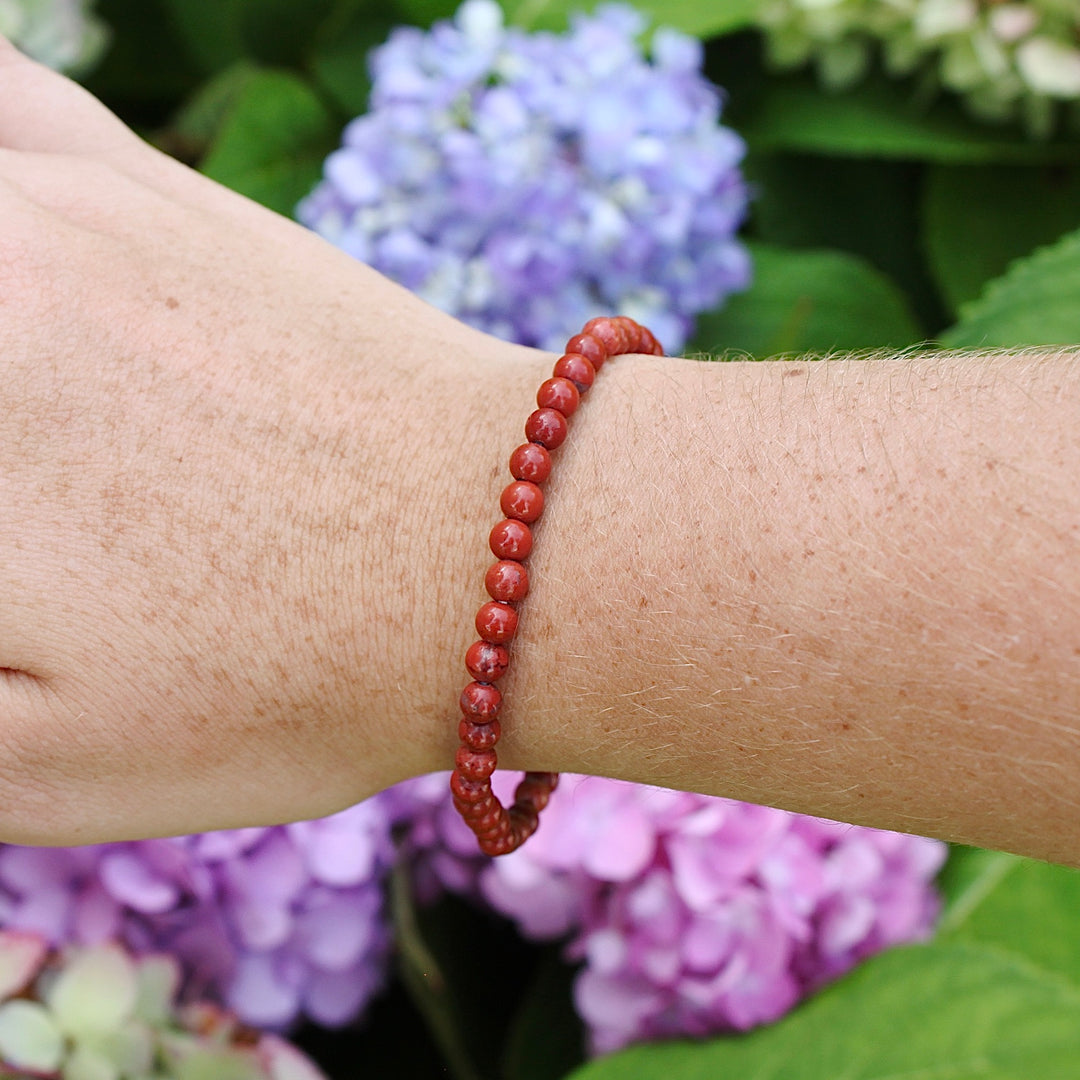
x: 245, y: 489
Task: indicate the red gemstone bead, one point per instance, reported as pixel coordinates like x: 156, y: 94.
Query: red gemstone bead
x: 523, y: 823
x: 530, y: 461
x: 546, y: 427
x: 482, y: 806
x: 534, y: 790
x: 649, y: 344
x: 479, y: 736
x: 511, y: 539
x: 487, y: 662
x: 559, y: 394
x: 471, y: 811
x: 608, y: 333
x: 469, y: 791
x: 589, y: 347
x: 577, y: 369
x: 480, y: 702
x: 522, y: 499
x: 498, y: 824
x: 634, y: 339
x: 488, y: 822
x: 502, y: 844
x: 507, y: 580
x: 475, y: 764
x: 496, y: 622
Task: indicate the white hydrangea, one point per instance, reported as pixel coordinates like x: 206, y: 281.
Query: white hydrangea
x: 63, y: 34
x: 1007, y: 60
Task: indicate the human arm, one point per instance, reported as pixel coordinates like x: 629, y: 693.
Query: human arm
x: 246, y: 490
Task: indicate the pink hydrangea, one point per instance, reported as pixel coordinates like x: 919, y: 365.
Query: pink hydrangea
x: 690, y: 914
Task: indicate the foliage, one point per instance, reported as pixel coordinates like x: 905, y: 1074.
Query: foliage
x: 880, y: 218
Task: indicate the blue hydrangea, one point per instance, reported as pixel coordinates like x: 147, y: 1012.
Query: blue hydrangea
x: 527, y: 182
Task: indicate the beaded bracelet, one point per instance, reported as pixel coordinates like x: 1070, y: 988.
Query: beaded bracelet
x: 499, y: 830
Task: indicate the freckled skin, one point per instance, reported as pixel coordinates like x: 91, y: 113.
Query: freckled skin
x: 241, y: 545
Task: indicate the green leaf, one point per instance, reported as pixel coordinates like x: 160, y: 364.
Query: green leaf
x: 339, y: 55
x: 425, y: 12
x: 881, y: 119
x: 1036, y: 302
x: 211, y: 30
x: 279, y: 33
x: 146, y: 69
x: 952, y: 1011
x: 1017, y: 905
x: 275, y: 33
x: 273, y: 140
x: 968, y: 872
x: 546, y: 1039
x: 198, y: 123
x: 977, y: 220
x: 808, y: 301
x: 691, y: 16
x: 868, y: 207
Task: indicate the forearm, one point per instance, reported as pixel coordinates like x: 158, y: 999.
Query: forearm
x: 247, y: 486
x: 844, y: 587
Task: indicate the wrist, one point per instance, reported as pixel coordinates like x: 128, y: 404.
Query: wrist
x: 423, y: 437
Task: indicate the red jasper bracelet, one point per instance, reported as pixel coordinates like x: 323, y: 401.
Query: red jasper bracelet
x: 498, y: 829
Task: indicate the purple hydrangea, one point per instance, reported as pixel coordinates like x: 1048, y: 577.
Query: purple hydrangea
x: 691, y: 914
x: 527, y: 182
x: 277, y: 923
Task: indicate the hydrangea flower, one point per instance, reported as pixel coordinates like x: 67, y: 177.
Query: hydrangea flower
x: 97, y: 1013
x: 1006, y: 59
x: 691, y: 914
x: 525, y: 183
x: 274, y: 922
x: 63, y: 34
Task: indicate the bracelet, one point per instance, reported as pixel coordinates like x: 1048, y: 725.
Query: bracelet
x: 498, y: 829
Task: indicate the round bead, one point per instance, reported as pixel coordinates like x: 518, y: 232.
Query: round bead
x: 589, y: 347
x: 511, y: 539
x: 480, y: 702
x: 559, y: 394
x: 502, y: 844
x: 649, y: 344
x: 507, y: 580
x: 577, y: 369
x: 487, y: 822
x: 608, y: 333
x: 546, y: 427
x: 471, y: 810
x: 522, y: 499
x: 523, y: 823
x: 530, y: 461
x: 632, y: 332
x: 478, y: 736
x: 469, y: 791
x: 534, y: 790
x: 475, y: 764
x: 496, y: 622
x: 499, y: 827
x: 487, y: 662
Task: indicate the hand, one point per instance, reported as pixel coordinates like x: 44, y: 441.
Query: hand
x: 221, y: 579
